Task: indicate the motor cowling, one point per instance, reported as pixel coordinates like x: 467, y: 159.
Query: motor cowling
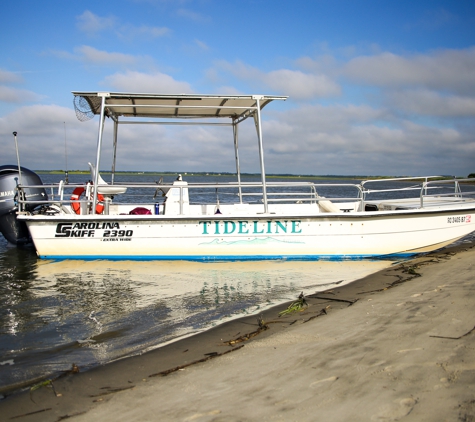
x: 13, y: 230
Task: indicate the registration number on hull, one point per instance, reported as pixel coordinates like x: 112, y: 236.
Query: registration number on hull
x: 459, y: 219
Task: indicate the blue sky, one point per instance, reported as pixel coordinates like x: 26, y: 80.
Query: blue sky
x: 375, y: 87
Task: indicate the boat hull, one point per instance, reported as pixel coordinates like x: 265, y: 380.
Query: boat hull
x: 212, y: 238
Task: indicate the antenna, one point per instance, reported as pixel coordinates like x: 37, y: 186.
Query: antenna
x: 66, y: 155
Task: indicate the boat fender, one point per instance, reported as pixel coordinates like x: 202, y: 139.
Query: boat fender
x: 76, y: 206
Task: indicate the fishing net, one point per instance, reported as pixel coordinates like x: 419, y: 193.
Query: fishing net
x: 85, y: 108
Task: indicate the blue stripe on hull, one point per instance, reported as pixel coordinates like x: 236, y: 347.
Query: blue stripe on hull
x: 230, y: 257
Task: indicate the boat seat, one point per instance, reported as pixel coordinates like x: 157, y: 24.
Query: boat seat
x: 326, y: 205
x: 103, y: 187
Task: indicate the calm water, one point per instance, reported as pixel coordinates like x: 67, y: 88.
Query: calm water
x: 54, y: 314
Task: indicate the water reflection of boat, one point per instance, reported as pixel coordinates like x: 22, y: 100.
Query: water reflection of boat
x: 180, y: 298
x: 261, y: 221
x: 151, y: 280
x: 93, y: 312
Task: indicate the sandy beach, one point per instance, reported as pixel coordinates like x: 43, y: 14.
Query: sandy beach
x: 396, y: 345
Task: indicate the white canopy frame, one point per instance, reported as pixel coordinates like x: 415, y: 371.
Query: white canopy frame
x: 180, y: 107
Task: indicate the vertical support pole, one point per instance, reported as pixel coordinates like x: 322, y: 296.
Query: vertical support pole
x: 181, y: 200
x: 19, y: 181
x: 114, y: 153
x: 99, y: 146
x: 236, y: 154
x: 17, y: 158
x: 257, y: 121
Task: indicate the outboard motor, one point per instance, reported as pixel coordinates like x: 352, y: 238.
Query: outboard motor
x: 13, y: 230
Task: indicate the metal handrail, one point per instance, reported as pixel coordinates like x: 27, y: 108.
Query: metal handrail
x: 294, y: 195
x: 397, y: 179
x: 311, y: 195
x: 457, y: 189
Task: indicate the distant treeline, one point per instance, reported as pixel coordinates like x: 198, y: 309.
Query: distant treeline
x: 209, y: 173
x: 217, y: 174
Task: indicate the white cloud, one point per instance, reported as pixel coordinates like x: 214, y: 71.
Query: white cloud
x: 444, y: 69
x: 322, y: 64
x: 227, y: 90
x: 431, y: 86
x: 92, y: 55
x: 239, y: 69
x: 430, y: 103
x: 301, y: 140
x: 301, y: 85
x: 143, y: 32
x: 295, y: 83
x: 174, y: 148
x: 329, y: 118
x: 201, y: 45
x: 41, y: 137
x: 9, y: 77
x: 13, y: 95
x: 132, y: 81
x: 153, y: 31
x: 91, y: 23
x: 364, y: 141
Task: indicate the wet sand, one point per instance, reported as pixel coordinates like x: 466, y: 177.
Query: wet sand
x: 396, y: 345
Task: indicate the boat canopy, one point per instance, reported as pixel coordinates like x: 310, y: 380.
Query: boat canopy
x: 170, y: 106
x: 118, y: 106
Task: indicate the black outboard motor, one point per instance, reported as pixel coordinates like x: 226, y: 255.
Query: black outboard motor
x: 13, y: 230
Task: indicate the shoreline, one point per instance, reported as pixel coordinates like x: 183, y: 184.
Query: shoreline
x: 93, y: 392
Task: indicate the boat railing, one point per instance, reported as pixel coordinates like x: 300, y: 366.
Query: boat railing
x: 61, y: 194
x: 251, y: 192
x: 428, y: 187
x: 423, y: 180
x: 456, y: 191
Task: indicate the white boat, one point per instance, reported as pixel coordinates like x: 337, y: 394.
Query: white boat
x: 262, y: 220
